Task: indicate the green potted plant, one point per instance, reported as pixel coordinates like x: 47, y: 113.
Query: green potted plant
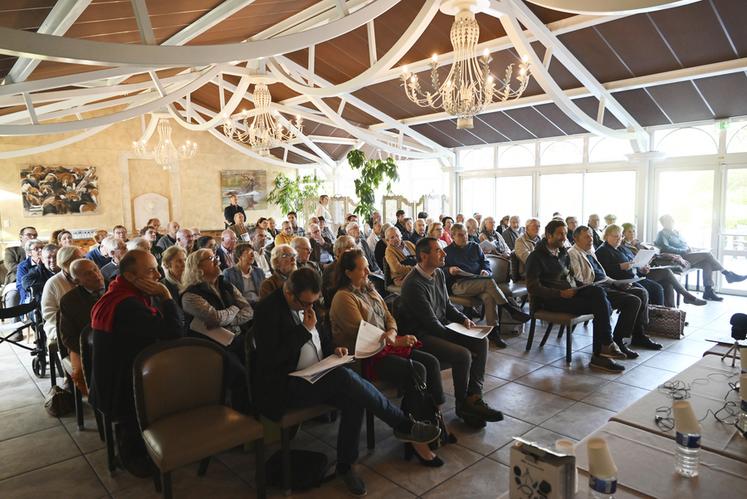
x: 372, y: 173
x: 291, y: 193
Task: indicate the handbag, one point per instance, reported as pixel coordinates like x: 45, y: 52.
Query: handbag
x: 59, y: 402
x: 309, y: 469
x: 418, y: 403
x: 665, y: 321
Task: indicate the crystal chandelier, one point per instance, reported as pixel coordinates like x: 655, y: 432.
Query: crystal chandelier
x: 265, y: 130
x: 469, y: 86
x: 166, y: 154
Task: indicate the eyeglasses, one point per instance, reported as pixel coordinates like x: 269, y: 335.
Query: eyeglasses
x: 31, y: 235
x: 287, y: 256
x: 305, y: 304
x: 213, y: 258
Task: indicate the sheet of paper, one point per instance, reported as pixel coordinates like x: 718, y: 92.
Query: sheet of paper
x: 643, y: 258
x: 219, y: 334
x: 315, y: 372
x: 624, y: 282
x: 369, y: 341
x: 662, y: 267
x: 478, y: 332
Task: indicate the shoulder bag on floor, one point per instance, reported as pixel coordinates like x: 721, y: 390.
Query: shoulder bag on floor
x: 420, y: 405
x: 666, y: 321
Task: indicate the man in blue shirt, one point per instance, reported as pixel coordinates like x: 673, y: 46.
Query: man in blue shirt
x: 669, y: 240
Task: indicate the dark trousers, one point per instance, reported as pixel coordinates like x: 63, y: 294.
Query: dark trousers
x: 707, y: 262
x: 590, y: 300
x: 396, y: 370
x: 352, y: 395
x: 655, y: 291
x: 630, y: 303
x: 467, y: 357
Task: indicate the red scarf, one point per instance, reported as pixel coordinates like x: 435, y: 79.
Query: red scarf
x: 102, y: 314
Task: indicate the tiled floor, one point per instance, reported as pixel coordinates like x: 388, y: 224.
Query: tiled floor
x: 543, y: 399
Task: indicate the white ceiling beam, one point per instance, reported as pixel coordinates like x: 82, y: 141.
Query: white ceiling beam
x: 371, y: 32
x: 58, y: 21
x: 209, y: 20
x: 143, y: 22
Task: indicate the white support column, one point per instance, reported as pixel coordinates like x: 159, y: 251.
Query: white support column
x: 371, y: 31
x: 143, y: 22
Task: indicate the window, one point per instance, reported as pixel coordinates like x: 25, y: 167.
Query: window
x: 420, y: 177
x: 478, y: 194
x: 606, y: 149
x: 689, y: 141
x: 515, y: 156
x: 562, y: 152
x: 513, y: 197
x: 480, y: 158
x: 734, y: 236
x: 562, y: 192
x: 736, y: 139
x: 688, y: 197
x: 610, y: 193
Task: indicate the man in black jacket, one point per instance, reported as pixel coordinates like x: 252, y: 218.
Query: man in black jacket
x: 287, y: 339
x: 124, y: 322
x: 425, y: 310
x: 552, y: 287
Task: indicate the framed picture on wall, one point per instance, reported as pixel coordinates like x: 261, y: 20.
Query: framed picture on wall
x: 59, y: 190
x: 249, y: 186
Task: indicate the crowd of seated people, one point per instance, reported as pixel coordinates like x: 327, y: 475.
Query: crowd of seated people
x: 292, y: 296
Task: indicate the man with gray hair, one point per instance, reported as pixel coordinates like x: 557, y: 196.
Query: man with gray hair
x: 115, y: 249
x: 526, y: 243
x: 225, y: 249
x: 169, y: 239
x: 185, y: 239
x: 353, y: 230
x: 57, y: 286
x: 138, y: 242
x: 303, y: 254
x: 513, y: 232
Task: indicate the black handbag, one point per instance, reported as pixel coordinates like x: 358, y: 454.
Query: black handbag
x: 419, y: 404
x: 309, y: 469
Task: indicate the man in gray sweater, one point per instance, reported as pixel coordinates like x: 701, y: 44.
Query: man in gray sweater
x: 424, y: 311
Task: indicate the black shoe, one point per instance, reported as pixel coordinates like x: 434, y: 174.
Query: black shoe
x: 710, y: 294
x: 630, y: 354
x: 732, y: 277
x: 476, y: 406
x: 355, y: 484
x: 645, y: 342
x: 495, y: 336
x: 605, y: 364
x: 694, y: 300
x: 436, y: 462
x: 516, y: 313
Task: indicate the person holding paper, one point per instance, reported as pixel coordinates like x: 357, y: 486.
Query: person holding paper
x: 399, y: 255
x: 664, y: 276
x: 426, y: 311
x: 288, y: 340
x: 631, y: 301
x: 356, y: 300
x: 617, y: 262
x: 463, y: 256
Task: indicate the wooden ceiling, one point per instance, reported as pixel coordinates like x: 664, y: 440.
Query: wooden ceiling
x: 700, y: 33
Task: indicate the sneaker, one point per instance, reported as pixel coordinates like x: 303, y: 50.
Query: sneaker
x: 645, y: 342
x: 355, y: 484
x: 732, y: 277
x: 694, y: 300
x: 605, y: 364
x: 475, y: 406
x: 710, y: 295
x: 420, y: 433
x: 629, y: 354
x: 612, y: 351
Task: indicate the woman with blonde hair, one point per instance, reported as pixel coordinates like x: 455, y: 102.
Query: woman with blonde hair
x: 173, y: 261
x: 436, y: 230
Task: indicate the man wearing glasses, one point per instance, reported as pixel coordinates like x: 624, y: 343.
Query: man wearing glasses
x: 283, y: 261
x: 287, y: 339
x: 14, y: 255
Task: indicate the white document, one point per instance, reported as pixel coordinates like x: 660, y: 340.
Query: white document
x: 478, y: 332
x: 643, y: 258
x: 315, y: 372
x: 219, y: 334
x: 369, y: 341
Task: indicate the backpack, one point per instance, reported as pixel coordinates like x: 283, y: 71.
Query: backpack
x: 419, y: 404
x: 308, y: 469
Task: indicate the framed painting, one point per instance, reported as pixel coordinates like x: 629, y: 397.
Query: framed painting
x: 249, y: 186
x: 59, y: 190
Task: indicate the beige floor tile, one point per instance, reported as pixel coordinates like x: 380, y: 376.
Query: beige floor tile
x: 560, y: 382
x: 645, y: 377
x: 72, y: 478
x: 22, y: 395
x: 35, y: 450
x: 578, y: 420
x: 490, y: 382
x: 116, y: 481
x: 615, y: 396
x: 484, y: 479
x: 692, y: 346
x: 24, y: 420
x: 544, y: 355
x: 486, y: 440
x: 525, y: 403
x: 670, y: 361
x: 509, y: 367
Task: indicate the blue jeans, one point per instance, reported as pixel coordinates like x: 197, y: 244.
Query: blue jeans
x: 352, y: 395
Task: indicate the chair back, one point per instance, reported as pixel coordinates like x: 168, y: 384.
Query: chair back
x: 515, y: 267
x: 387, y: 275
x: 175, y: 376
x: 499, y: 267
x: 86, y: 347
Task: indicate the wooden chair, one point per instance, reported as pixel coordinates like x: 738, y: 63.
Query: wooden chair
x: 567, y: 323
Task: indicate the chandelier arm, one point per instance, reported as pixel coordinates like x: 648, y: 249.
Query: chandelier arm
x: 384, y: 64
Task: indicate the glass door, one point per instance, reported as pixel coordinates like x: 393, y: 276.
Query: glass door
x: 733, y: 234
x: 687, y: 195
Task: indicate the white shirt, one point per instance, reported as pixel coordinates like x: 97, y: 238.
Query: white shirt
x: 311, y: 351
x: 54, y: 289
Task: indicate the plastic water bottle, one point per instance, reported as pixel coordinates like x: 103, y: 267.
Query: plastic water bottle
x: 742, y: 420
x: 687, y: 455
x: 602, y: 487
x: 602, y: 469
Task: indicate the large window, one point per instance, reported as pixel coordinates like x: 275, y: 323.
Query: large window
x: 515, y: 156
x: 688, y: 196
x: 606, y: 149
x: 513, y: 197
x: 478, y: 195
x: 562, y: 152
x: 610, y: 193
x: 480, y: 158
x: 688, y: 141
x: 562, y: 193
x: 734, y: 235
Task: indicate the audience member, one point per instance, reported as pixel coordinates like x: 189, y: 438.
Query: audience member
x: 125, y: 322
x: 447, y: 222
x: 115, y: 249
x: 97, y: 254
x: 185, y: 239
x: 272, y: 228
x: 225, y: 250
x: 230, y: 211
x: 207, y: 242
x: 596, y: 232
x: 610, y: 219
x: 321, y: 246
x: 355, y: 300
x: 120, y: 232
x: 297, y: 230
x: 322, y: 209
x: 302, y: 246
x: 75, y: 313
x: 460, y: 218
x: 283, y: 261
x: 490, y: 240
x: 571, y: 223
x: 14, y: 255
x: 422, y: 215
x: 380, y: 248
x: 138, y: 242
x: 33, y: 281
x: 245, y: 275
x: 286, y: 234
x: 399, y: 256
x: 436, y: 231
x: 287, y: 339
x: 259, y: 243
x: 400, y: 224
x: 155, y: 223
x: 239, y: 226
x: 552, y: 287
x: 353, y: 230
x: 169, y: 239
x: 342, y: 244
x: 349, y: 218
x: 503, y: 225
x: 477, y: 216
x: 526, y: 243
x: 419, y: 231
x: 670, y: 241
x: 326, y: 231
x: 56, y: 287
x: 513, y: 232
x: 473, y: 230
x: 64, y: 238
x: 426, y: 311
x: 173, y: 262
